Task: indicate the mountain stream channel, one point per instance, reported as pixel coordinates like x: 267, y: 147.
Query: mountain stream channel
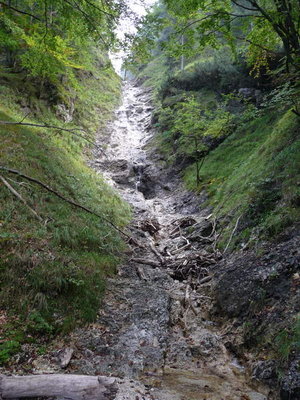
x: 153, y: 332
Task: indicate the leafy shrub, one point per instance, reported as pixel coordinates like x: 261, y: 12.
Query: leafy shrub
x: 7, y: 349
x: 190, y: 129
x: 38, y: 325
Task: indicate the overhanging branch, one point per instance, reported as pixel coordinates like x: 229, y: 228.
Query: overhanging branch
x: 19, y: 11
x: 73, y: 131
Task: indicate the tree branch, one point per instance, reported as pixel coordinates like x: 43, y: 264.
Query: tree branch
x: 194, y: 22
x: 87, y: 18
x: 257, y: 45
x: 72, y: 131
x: 296, y: 112
x: 244, y: 7
x: 232, y: 233
x: 19, y: 11
x: 100, y: 9
x: 217, y: 14
x: 57, y: 194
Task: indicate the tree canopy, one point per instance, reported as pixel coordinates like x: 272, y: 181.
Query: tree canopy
x: 261, y: 29
x: 51, y: 37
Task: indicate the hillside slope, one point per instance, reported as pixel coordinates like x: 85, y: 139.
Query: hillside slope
x: 54, y: 260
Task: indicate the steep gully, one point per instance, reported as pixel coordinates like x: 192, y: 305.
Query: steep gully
x: 154, y: 327
x: 153, y: 331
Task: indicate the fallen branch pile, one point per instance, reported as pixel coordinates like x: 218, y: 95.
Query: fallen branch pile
x: 188, y: 251
x: 194, y: 264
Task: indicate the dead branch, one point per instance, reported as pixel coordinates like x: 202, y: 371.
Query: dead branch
x: 72, y: 130
x: 232, y: 233
x: 73, y: 203
x: 146, y: 262
x: 141, y: 273
x: 158, y: 255
x: 12, y: 190
x: 153, y: 249
x: 202, y: 297
x: 185, y: 247
x: 187, y: 299
x: 174, y: 231
x: 214, y: 228
x: 205, y: 280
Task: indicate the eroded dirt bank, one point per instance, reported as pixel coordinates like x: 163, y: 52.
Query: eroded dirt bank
x: 154, y: 331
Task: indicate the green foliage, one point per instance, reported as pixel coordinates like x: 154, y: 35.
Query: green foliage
x: 149, y: 30
x: 259, y: 30
x: 190, y: 128
x: 12, y: 336
x: 51, y: 38
x: 283, y: 97
x: 38, y: 325
x: 214, y: 69
x: 7, y: 349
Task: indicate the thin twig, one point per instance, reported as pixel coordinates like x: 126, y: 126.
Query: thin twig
x: 232, y: 233
x: 11, y: 189
x: 73, y: 131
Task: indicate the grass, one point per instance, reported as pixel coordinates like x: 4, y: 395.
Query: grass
x: 53, y: 273
x: 287, y: 340
x: 255, y: 173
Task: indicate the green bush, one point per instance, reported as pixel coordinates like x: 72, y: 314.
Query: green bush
x: 7, y: 349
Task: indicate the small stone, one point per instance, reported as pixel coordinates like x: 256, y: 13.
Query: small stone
x: 65, y: 357
x: 256, y: 396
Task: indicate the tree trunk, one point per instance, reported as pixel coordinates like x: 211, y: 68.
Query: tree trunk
x: 71, y: 387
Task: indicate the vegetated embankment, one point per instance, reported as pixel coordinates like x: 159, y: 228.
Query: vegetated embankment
x: 235, y: 141
x: 54, y: 255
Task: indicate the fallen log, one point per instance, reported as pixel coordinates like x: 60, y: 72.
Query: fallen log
x: 63, y: 386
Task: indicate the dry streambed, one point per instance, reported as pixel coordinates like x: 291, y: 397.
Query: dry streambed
x: 153, y: 331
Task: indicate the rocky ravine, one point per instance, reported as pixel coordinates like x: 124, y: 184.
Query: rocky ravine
x: 153, y: 331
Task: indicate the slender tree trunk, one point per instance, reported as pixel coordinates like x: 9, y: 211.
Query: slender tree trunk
x: 182, y: 57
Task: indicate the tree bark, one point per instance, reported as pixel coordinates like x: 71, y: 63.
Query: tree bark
x: 68, y: 387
